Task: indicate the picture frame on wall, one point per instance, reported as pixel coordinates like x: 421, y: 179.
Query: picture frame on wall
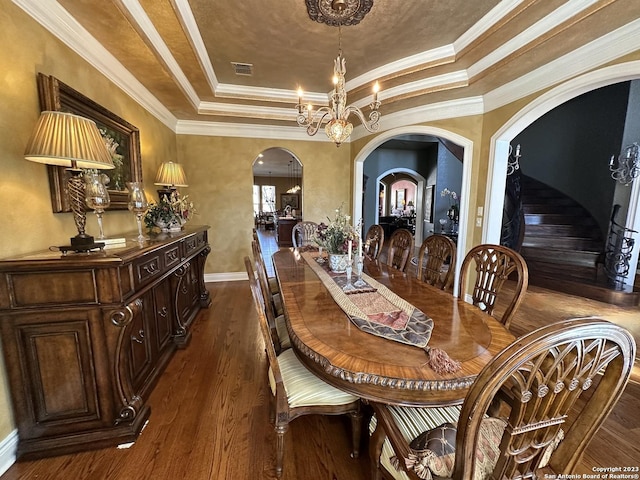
x: 122, y: 139
x: 291, y: 199
x: 401, y: 194
x: 428, y: 203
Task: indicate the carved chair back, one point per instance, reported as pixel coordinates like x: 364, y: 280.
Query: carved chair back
x: 373, y: 241
x: 400, y: 249
x: 492, y: 265
x: 541, y: 378
x: 544, y: 397
x: 303, y: 233
x: 435, y: 252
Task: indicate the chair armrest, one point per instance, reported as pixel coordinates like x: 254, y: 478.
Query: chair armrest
x: 387, y: 426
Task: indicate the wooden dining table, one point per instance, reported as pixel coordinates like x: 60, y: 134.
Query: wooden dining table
x: 376, y: 368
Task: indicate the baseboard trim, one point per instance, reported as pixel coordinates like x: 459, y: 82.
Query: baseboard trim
x: 8, y: 451
x: 225, y: 277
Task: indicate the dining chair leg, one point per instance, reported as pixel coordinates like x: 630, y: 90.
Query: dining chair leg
x: 356, y: 432
x: 375, y: 450
x: 280, y: 431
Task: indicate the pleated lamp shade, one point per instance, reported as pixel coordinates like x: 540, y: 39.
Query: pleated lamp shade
x: 171, y: 175
x: 68, y: 140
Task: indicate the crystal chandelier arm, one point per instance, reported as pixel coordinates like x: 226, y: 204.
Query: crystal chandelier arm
x: 371, y: 125
x: 313, y: 122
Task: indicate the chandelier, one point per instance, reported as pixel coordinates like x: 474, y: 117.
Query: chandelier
x: 336, y: 116
x: 628, y: 167
x: 293, y: 175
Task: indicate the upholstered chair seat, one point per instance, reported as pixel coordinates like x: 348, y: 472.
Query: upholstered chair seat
x: 303, y: 388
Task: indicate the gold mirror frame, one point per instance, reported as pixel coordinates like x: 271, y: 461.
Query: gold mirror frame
x: 58, y: 96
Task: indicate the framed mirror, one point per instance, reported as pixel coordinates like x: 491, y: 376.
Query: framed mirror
x: 122, y: 139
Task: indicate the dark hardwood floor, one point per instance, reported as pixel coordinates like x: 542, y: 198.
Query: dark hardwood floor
x: 209, y: 411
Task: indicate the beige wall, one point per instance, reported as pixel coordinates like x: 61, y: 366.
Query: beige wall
x: 223, y: 191
x: 27, y: 50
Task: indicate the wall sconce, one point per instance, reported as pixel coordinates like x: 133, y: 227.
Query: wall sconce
x: 74, y: 142
x: 170, y: 175
x: 628, y: 168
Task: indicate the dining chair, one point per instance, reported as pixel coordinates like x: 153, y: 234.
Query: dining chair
x: 530, y: 413
x: 274, y: 299
x: 493, y: 264
x: 303, y: 233
x: 295, y: 390
x: 273, y: 281
x: 277, y: 324
x: 436, y: 261
x: 400, y: 249
x: 373, y: 241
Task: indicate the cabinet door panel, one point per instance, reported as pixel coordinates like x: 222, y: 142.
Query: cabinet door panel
x: 138, y: 338
x: 62, y: 384
x: 164, y: 316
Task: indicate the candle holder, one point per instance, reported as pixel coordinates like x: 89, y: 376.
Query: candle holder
x: 359, y: 283
x: 320, y: 259
x: 349, y: 286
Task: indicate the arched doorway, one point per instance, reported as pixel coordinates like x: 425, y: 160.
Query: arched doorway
x: 281, y: 170
x: 500, y: 142
x: 464, y: 143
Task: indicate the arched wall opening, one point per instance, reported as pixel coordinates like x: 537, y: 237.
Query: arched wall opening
x: 500, y: 142
x: 463, y: 142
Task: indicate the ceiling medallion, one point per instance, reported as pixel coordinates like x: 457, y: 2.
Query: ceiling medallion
x: 338, y: 12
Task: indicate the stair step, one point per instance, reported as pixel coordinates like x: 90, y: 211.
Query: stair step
x: 553, y: 270
x: 547, y: 199
x: 560, y: 242
x: 563, y: 257
x: 556, y: 219
x: 552, y: 208
x: 583, y: 231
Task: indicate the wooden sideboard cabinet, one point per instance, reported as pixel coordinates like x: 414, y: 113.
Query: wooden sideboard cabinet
x: 86, y: 336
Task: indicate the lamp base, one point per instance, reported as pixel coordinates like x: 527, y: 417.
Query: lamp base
x: 81, y: 248
x: 81, y: 243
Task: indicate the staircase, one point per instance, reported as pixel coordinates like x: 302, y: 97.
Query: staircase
x: 563, y: 246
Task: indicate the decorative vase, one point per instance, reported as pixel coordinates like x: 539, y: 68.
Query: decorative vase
x: 338, y: 262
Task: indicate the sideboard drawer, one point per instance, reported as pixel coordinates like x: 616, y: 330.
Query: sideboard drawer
x: 148, y: 268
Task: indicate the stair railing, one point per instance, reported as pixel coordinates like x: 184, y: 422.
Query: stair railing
x: 512, y: 232
x: 618, y: 252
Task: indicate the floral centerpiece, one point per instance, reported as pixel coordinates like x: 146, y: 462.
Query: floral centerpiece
x: 454, y: 207
x: 170, y: 214
x: 334, y: 237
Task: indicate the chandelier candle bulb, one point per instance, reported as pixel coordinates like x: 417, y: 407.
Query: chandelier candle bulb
x: 299, y: 100
x: 376, y: 89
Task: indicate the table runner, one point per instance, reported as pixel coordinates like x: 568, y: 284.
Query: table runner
x: 374, y: 308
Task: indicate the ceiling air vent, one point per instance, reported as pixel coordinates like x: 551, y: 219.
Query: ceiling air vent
x: 243, y: 68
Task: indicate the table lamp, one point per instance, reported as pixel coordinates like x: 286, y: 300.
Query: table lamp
x: 73, y: 142
x: 170, y: 175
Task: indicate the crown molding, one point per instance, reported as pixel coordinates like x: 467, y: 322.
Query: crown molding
x: 426, y: 113
x: 446, y: 81
x: 537, y: 30
x: 143, y: 24
x: 497, y: 13
x: 63, y: 26
x: 54, y: 18
x: 248, y: 111
x: 608, y: 48
x: 190, y: 27
x: 244, y: 130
